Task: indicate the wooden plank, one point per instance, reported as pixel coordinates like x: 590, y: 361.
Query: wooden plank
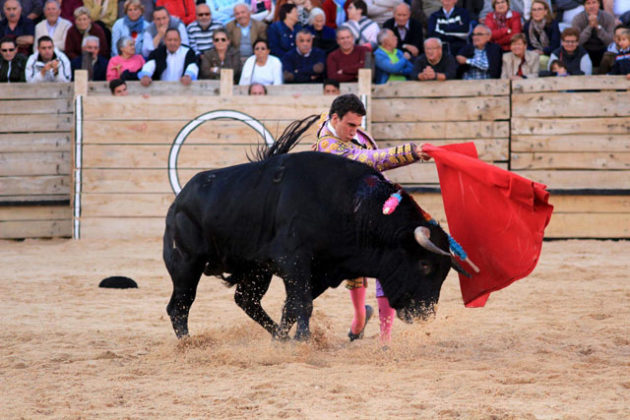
x: 489, y: 150
x: 125, y: 205
x: 165, y: 132
x: 39, y: 198
x: 41, y: 123
x: 486, y: 108
x: 588, y: 225
x: 590, y: 204
x: 554, y: 84
x: 34, y: 185
x: 35, y: 142
x: 465, y: 130
x: 565, y: 179
x: 36, y: 106
x: 159, y: 88
x: 579, y: 160
x: 148, y: 181
x: 35, y: 163
x: 461, y: 88
x: 18, y: 229
x: 156, y: 156
x: 35, y: 91
x: 129, y: 228
x: 558, y: 126
x: 35, y: 213
x: 185, y: 108
x: 572, y: 143
x: 573, y: 104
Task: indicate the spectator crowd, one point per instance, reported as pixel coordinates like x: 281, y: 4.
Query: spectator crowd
x: 271, y: 42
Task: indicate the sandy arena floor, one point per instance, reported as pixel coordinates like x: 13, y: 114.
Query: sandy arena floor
x: 554, y: 345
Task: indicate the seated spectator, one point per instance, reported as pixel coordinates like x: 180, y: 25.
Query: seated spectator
x: 542, y: 31
x: 324, y: 36
x: 54, y: 25
x: 48, y: 64
x: 90, y: 60
x: 184, y: 10
x: 559, y: 69
x: 434, y: 64
x: 17, y: 26
x: 222, y: 56
x: 364, y: 30
x: 520, y: 63
x: 479, y: 9
x: 482, y: 58
x: 380, y: 11
x: 128, y: 63
x: 262, y: 10
x: 344, y: 63
x: 201, y: 31
x: 596, y: 29
x: 335, y: 13
x: 608, y: 59
x: 68, y: 7
x: 170, y: 62
x: 451, y: 25
x: 504, y: 23
x: 331, y: 87
x: 304, y: 10
x: 103, y: 13
x: 261, y: 67
x: 223, y: 10
x: 31, y: 9
x: 574, y: 57
x: 83, y: 27
x: 304, y: 64
x: 118, y: 87
x: 131, y: 25
x: 257, y: 89
x: 622, y: 61
x: 12, y: 64
x: 154, y: 33
x: 390, y: 62
x: 281, y: 34
x: 408, y: 31
x: 243, y: 31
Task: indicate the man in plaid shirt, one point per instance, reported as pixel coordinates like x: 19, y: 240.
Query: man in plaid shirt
x: 482, y: 58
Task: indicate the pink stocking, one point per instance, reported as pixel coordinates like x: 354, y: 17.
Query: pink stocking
x: 358, y: 301
x: 386, y: 316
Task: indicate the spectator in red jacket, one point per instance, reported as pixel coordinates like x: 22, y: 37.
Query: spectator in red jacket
x: 183, y: 9
x: 504, y: 23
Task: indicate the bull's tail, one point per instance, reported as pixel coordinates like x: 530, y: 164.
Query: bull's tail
x: 289, y: 139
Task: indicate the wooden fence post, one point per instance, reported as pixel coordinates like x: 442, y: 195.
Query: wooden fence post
x: 227, y: 83
x: 365, y: 93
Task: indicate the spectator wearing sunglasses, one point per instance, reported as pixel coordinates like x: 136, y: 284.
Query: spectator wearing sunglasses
x: 221, y: 56
x: 201, y: 31
x: 12, y: 64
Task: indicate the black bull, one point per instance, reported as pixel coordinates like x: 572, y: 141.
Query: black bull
x: 311, y: 218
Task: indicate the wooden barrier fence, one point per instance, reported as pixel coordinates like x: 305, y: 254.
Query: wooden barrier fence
x: 35, y: 160
x: 553, y: 131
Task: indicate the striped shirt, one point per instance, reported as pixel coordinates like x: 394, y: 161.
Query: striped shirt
x: 201, y: 40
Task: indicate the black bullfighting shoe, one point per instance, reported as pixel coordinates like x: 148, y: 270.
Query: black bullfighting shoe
x: 368, y: 314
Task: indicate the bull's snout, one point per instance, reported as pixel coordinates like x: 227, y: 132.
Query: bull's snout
x: 416, y: 312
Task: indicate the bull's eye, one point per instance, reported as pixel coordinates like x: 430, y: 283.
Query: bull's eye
x: 425, y: 267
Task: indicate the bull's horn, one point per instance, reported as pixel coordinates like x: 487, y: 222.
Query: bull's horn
x: 422, y: 235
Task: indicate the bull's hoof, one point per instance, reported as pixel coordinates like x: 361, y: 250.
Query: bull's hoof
x: 279, y: 336
x: 302, y: 336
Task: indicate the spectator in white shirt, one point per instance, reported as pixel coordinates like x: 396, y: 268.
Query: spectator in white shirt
x: 170, y: 62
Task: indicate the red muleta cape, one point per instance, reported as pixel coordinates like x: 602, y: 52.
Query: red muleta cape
x: 497, y: 216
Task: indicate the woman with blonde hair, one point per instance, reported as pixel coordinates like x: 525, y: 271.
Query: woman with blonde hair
x: 542, y: 32
x: 132, y: 25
